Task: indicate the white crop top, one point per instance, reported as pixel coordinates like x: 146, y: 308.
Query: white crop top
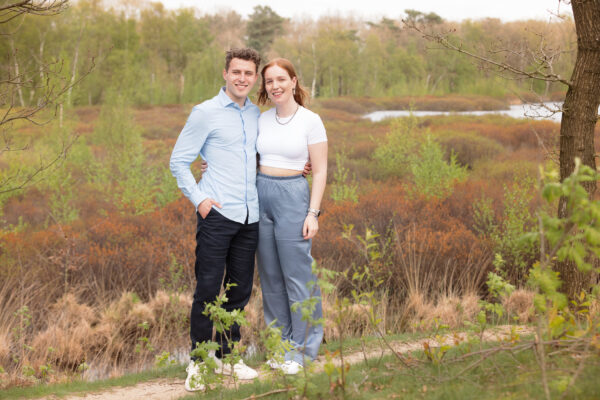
x: 286, y: 146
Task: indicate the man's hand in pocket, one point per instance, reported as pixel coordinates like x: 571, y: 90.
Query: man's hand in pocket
x: 206, y: 205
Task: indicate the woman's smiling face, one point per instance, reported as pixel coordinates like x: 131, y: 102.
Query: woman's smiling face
x: 279, y: 85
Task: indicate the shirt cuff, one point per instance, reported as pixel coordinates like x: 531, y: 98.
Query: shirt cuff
x: 197, y: 198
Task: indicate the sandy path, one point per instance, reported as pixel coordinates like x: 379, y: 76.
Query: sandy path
x: 168, y: 389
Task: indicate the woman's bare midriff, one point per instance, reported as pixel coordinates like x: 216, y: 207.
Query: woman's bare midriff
x: 273, y: 171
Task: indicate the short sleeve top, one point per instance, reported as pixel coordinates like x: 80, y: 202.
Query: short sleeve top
x: 285, y: 144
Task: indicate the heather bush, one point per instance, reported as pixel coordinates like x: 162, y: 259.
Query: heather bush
x: 500, y: 172
x: 468, y: 147
x: 411, y: 234
x: 346, y: 104
x: 509, y: 132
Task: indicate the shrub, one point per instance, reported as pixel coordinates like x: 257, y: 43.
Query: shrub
x: 343, y: 188
x: 468, y: 147
x: 122, y: 170
x: 412, y: 231
x: 511, y: 133
x: 401, y: 144
x: 516, y: 255
x: 346, y: 104
x: 432, y: 175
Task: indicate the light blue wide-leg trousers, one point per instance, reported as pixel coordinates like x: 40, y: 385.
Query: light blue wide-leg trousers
x: 284, y: 262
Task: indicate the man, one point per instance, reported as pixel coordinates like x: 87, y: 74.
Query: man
x: 223, y: 131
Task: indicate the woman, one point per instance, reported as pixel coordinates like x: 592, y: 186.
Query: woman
x: 289, y: 134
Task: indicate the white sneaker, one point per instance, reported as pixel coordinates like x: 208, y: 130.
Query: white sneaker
x: 193, y: 382
x: 290, y: 367
x: 219, y: 367
x: 241, y: 370
x: 273, y: 364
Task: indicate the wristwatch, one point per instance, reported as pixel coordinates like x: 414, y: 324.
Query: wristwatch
x: 314, y: 212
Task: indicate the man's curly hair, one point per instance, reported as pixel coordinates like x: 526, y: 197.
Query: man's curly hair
x: 247, y: 54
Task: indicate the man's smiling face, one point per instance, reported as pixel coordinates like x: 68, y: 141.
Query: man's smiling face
x: 239, y: 79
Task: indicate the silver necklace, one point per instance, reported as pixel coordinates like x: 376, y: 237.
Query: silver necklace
x: 277, y: 117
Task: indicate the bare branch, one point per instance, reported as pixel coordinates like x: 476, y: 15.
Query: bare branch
x: 266, y: 394
x: 53, y: 93
x: 53, y: 87
x: 40, y: 7
x: 538, y: 73
x: 6, y: 187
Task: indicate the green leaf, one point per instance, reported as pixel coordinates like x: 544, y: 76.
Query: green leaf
x: 539, y: 301
x: 552, y: 191
x: 592, y: 236
x: 481, y: 318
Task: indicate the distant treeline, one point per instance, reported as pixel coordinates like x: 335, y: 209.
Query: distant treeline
x: 153, y: 55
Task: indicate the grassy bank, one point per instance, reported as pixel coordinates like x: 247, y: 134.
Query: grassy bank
x: 502, y: 370
x: 78, y: 386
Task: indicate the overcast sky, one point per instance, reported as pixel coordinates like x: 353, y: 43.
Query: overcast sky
x: 454, y: 10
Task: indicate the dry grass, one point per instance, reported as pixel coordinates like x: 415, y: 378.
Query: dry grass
x: 424, y: 314
x: 4, y: 346
x: 125, y: 333
x: 256, y: 320
x: 354, y: 319
x: 421, y: 272
x: 69, y: 335
x: 520, y: 304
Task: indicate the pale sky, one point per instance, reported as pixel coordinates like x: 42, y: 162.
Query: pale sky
x: 453, y: 10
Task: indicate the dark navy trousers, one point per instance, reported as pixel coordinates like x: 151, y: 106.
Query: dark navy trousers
x: 223, y: 247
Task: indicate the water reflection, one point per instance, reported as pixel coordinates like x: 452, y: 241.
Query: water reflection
x: 548, y: 111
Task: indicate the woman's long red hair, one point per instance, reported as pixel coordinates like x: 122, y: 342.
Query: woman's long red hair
x: 301, y: 96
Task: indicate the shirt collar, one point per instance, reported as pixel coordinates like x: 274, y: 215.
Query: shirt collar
x: 226, y: 101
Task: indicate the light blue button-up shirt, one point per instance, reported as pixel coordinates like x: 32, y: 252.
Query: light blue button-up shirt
x: 225, y: 136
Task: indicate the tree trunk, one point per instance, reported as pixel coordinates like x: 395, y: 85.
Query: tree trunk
x: 41, y: 62
x: 152, y: 89
x: 74, y: 66
x: 19, y: 85
x: 330, y: 82
x: 580, y: 114
x: 181, y: 86
x: 313, y: 86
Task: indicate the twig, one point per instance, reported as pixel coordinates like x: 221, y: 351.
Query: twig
x: 570, y: 348
x: 364, y: 351
x: 266, y: 394
x: 484, y: 352
x: 542, y: 359
x: 578, y: 371
x: 472, y: 365
x: 399, y: 356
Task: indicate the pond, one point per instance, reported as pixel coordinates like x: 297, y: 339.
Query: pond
x: 547, y: 111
